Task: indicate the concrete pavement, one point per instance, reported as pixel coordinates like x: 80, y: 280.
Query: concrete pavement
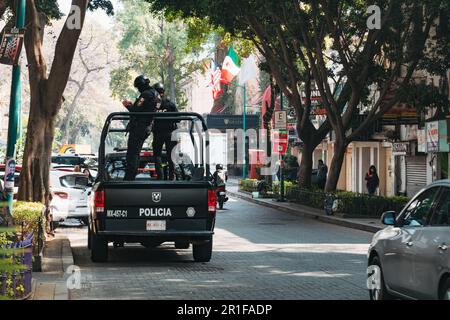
x: 50, y: 284
x: 369, y: 225
x: 259, y: 253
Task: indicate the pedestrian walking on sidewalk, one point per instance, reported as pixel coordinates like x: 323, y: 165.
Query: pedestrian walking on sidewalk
x: 322, y: 175
x: 372, y: 180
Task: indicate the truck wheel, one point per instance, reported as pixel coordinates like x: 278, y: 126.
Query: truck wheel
x: 99, y: 248
x: 182, y: 244
x: 202, y: 252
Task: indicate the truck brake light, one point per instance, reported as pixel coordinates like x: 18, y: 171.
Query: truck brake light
x: 99, y: 201
x: 212, y: 201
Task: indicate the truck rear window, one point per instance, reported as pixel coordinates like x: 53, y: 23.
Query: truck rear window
x: 115, y: 169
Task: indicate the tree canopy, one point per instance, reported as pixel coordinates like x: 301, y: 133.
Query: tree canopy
x: 327, y: 46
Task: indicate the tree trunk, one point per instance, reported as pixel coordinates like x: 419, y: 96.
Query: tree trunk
x: 305, y: 171
x: 336, y: 165
x: 46, y: 92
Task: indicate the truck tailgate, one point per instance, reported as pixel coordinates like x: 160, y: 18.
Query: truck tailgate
x: 156, y: 207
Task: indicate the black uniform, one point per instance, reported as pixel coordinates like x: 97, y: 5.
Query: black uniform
x: 162, y: 135
x: 139, y: 129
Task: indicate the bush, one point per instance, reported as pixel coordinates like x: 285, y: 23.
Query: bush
x: 349, y: 203
x: 26, y: 218
x: 276, y: 186
x: 11, y: 280
x: 250, y: 185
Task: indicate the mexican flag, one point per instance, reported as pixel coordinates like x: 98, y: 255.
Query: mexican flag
x: 231, y: 66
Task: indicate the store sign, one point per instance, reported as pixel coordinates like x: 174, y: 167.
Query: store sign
x: 433, y: 136
x: 224, y: 121
x: 11, y: 47
x: 421, y: 141
x: 400, y: 149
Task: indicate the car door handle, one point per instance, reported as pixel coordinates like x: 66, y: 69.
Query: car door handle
x: 409, y: 244
x: 443, y: 247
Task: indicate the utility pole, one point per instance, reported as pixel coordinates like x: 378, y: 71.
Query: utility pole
x: 244, y: 125
x: 14, y: 114
x: 282, y: 196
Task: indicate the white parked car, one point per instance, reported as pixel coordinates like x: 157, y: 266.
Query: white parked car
x: 70, y: 196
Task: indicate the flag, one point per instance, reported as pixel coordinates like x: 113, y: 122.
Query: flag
x: 231, y: 66
x: 216, y: 76
x: 249, y: 70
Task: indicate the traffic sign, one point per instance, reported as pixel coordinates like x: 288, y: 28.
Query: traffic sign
x: 280, y: 119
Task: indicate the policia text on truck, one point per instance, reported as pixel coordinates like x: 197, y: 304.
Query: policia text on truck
x: 151, y: 211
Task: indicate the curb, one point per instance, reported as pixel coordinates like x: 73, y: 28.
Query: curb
x: 61, y: 290
x: 323, y: 218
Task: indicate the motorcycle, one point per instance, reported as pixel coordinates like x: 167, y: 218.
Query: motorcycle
x: 221, y: 196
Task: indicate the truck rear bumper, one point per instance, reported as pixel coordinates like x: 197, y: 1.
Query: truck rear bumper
x: 167, y: 236
x: 162, y: 234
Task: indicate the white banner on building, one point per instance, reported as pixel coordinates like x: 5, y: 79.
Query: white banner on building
x: 421, y: 141
x: 433, y: 136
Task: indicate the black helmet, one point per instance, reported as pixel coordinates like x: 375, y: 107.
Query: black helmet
x: 141, y: 83
x: 219, y: 167
x: 159, y: 87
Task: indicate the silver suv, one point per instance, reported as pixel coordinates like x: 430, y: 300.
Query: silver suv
x: 410, y: 258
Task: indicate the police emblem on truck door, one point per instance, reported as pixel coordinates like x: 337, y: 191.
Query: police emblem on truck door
x: 156, y: 196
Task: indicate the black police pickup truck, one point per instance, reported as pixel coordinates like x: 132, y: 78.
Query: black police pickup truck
x: 148, y: 211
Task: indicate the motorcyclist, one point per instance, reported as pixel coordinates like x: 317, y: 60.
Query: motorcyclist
x: 139, y: 128
x: 162, y: 135
x: 219, y: 176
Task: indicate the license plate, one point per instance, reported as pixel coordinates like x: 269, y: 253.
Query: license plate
x: 156, y: 225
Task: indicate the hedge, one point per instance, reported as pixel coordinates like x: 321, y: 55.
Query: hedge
x: 348, y: 203
x: 26, y: 219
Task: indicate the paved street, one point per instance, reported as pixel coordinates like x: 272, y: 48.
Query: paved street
x: 259, y: 253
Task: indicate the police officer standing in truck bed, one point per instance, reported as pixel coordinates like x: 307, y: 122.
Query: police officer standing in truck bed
x: 139, y: 128
x: 162, y: 135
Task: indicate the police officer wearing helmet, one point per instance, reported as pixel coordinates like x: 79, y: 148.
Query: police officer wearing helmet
x: 139, y: 127
x: 162, y: 134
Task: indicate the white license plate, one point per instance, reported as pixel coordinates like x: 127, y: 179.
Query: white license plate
x: 156, y: 225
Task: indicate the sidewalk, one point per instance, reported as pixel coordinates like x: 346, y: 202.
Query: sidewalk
x: 369, y: 225
x: 50, y: 284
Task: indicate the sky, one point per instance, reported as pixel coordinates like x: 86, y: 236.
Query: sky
x: 99, y: 15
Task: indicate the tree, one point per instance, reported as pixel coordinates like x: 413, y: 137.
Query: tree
x: 92, y: 57
x: 327, y: 45
x: 47, y: 88
x: 152, y: 46
x: 253, y: 21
